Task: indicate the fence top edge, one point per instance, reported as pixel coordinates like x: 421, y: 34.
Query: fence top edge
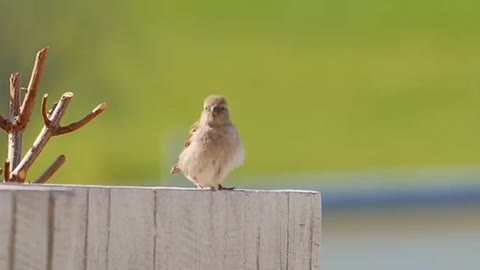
x: 8, y: 187
x: 178, y: 189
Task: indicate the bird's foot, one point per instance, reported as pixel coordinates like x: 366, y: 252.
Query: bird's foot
x: 220, y: 187
x: 205, y: 188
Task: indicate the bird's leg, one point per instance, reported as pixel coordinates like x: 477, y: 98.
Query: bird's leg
x: 206, y: 188
x: 195, y: 181
x: 220, y: 187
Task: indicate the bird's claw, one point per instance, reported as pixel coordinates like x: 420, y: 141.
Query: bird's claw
x: 220, y: 187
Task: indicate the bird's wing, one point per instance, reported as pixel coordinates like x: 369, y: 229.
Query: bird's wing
x: 193, y: 129
x: 175, y: 169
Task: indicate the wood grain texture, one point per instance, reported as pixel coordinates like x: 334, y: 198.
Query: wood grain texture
x: 131, y: 240
x: 303, y: 231
x: 98, y: 228
x: 122, y: 228
x: 35, y: 231
x: 61, y: 245
x: 32, y: 230
x: 237, y: 230
x: 7, y: 208
x: 316, y: 230
x: 79, y: 229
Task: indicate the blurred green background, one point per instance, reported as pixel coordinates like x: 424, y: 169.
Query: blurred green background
x: 332, y: 95
x: 314, y: 86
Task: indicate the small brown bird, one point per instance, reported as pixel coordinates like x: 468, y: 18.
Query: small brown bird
x: 213, y: 147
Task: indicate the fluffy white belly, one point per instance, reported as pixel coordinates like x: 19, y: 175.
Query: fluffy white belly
x: 207, y: 169
x: 198, y: 168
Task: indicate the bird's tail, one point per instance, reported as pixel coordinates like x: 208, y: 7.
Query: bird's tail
x: 175, y: 169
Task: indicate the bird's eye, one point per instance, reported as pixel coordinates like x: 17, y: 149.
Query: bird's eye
x: 206, y: 108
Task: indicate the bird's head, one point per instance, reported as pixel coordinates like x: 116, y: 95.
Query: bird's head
x: 215, y: 111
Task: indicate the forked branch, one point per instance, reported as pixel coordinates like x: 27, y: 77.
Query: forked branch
x: 15, y: 135
x: 16, y: 168
x: 52, y: 128
x: 82, y: 122
x: 32, y: 89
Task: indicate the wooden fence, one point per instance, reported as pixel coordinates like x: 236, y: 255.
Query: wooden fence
x: 144, y: 228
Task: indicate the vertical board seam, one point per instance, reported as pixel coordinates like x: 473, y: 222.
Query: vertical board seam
x: 155, y: 229
x: 288, y: 228
x: 50, y: 230
x: 85, y: 244
x: 13, y: 232
x: 259, y: 235
x: 109, y: 217
x: 312, y: 228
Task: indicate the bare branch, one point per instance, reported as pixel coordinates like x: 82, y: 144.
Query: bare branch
x: 7, y: 170
x: 44, y: 136
x: 51, y: 170
x: 22, y: 175
x: 49, y: 113
x: 15, y: 135
x: 16, y: 168
x: 85, y: 120
x: 5, y: 124
x: 15, y: 98
x: 29, y: 101
x: 44, y: 110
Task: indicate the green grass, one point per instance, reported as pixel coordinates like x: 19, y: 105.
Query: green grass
x: 314, y: 85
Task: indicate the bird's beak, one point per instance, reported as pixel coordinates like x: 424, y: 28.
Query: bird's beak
x: 216, y: 109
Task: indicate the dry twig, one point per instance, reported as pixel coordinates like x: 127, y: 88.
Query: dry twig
x: 16, y: 168
x: 45, y: 113
x: 51, y: 170
x: 29, y: 101
x: 43, y: 137
x: 5, y: 124
x: 82, y: 122
x: 52, y: 128
x: 15, y: 135
x: 7, y: 170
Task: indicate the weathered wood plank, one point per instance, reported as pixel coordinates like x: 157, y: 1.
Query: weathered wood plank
x: 61, y: 233
x: 31, y: 230
x: 273, y: 231
x: 7, y: 208
x: 34, y: 234
x: 316, y: 230
x: 234, y: 230
x: 132, y: 229
x: 175, y: 223
x: 79, y: 229
x: 98, y: 228
x: 302, y: 230
x: 120, y: 228
x: 251, y: 230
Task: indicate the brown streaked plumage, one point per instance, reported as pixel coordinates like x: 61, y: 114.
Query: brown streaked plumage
x: 193, y: 128
x: 213, y: 147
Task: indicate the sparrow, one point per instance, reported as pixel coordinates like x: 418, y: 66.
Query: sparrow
x: 213, y: 148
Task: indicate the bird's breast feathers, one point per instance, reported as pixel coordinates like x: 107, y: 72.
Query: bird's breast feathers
x: 223, y: 144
